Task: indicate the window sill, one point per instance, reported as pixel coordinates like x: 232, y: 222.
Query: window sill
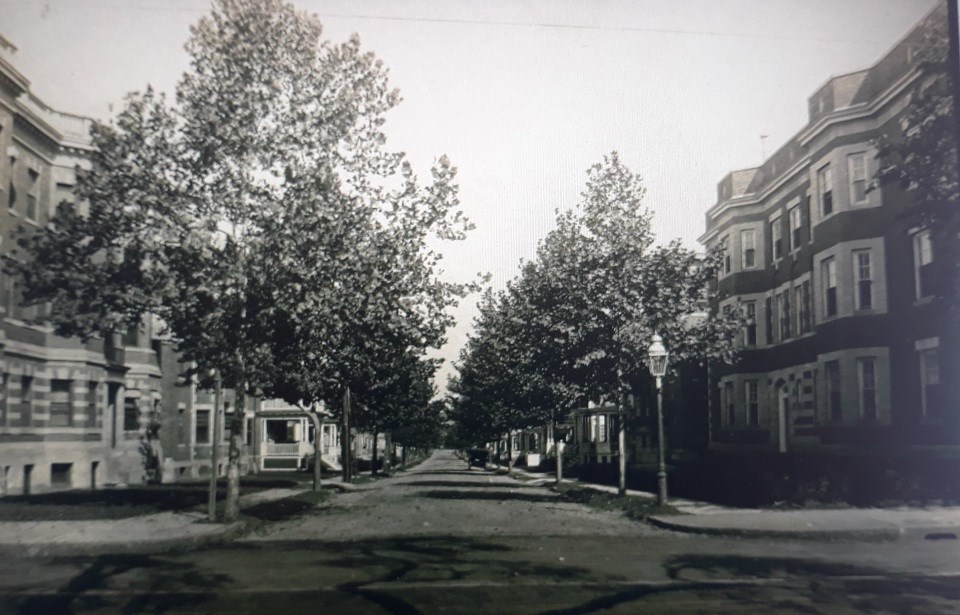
x: 924, y: 300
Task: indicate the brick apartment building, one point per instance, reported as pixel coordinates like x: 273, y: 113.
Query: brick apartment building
x: 72, y: 413
x: 846, y: 341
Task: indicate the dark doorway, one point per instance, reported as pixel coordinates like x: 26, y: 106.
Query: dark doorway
x: 27, y: 476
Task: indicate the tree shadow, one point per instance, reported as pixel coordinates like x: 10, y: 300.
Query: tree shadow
x: 919, y: 596
x: 449, y: 473
x: 464, y: 483
x: 172, y: 585
x: 741, y: 566
x: 499, y: 496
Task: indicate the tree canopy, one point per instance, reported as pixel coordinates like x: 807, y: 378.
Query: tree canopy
x: 576, y: 322
x: 259, y: 215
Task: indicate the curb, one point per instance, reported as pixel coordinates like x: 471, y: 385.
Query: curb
x: 673, y: 523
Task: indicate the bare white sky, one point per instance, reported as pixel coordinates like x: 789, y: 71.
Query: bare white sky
x: 522, y: 95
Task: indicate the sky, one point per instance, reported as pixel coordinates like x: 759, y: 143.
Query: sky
x: 523, y: 96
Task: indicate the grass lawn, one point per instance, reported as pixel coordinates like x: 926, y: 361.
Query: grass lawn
x: 122, y: 502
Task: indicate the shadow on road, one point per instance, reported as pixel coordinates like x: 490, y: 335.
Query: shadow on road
x: 465, y: 483
x: 726, y: 566
x: 169, y: 586
x: 502, y: 495
x: 448, y: 473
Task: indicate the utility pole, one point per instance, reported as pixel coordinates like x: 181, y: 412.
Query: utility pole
x: 215, y: 447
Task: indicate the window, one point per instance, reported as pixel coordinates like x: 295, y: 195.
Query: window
x: 922, y: 259
x: 602, y: 428
x: 768, y: 319
x: 60, y: 406
x: 866, y: 369
x: 802, y: 307
x: 832, y: 372
x: 26, y: 400
x: 798, y: 310
x: 61, y: 475
x: 828, y: 275
x: 4, y: 383
x: 863, y: 276
x: 202, y: 427
x: 93, y: 405
x: 752, y: 402
x: 130, y: 336
x: 776, y: 238
x: 131, y: 414
x: 728, y: 400
x: 12, y: 191
x: 929, y: 383
x: 783, y: 310
x: 825, y: 187
x: 795, y: 228
x: 726, y: 254
x: 248, y: 432
x: 750, y: 327
x: 857, y: 171
x: 33, y: 194
x: 748, y: 248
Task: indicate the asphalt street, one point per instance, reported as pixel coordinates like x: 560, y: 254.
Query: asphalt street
x: 443, y: 539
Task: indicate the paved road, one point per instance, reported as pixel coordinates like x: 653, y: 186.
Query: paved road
x: 439, y: 539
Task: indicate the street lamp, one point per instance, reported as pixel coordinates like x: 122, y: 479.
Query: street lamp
x: 658, y: 367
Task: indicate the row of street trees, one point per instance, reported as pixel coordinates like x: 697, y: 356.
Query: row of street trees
x: 260, y: 217
x: 575, y: 324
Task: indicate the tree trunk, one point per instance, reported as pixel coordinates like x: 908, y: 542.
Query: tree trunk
x: 231, y: 509
x: 403, y: 452
x: 317, y: 446
x: 622, y: 432
x: 215, y: 449
x: 509, y: 452
x: 345, y: 437
x: 559, y: 449
x: 387, y: 452
x: 373, y: 455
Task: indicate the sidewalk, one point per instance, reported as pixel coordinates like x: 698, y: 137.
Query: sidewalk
x: 939, y: 522
x: 859, y: 523
x: 161, y: 531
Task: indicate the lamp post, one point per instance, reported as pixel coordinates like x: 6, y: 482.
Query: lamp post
x: 658, y: 356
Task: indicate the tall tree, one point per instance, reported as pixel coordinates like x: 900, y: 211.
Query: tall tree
x: 920, y: 156
x: 272, y: 123
x: 598, y: 291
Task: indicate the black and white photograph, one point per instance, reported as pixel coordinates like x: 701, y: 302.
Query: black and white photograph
x: 479, y: 306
